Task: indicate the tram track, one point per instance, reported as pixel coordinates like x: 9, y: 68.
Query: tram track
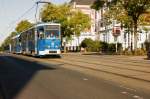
x: 107, y: 57
x: 105, y: 71
x: 126, y: 59
x: 119, y: 61
x: 114, y: 66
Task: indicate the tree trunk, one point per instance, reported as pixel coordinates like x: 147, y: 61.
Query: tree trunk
x: 78, y: 47
x: 129, y: 47
x: 135, y: 35
x: 146, y: 37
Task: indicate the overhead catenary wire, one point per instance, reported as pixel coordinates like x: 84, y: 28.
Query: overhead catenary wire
x: 37, y: 6
x: 11, y: 24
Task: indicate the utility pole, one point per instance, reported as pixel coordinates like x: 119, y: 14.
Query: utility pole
x: 36, y: 20
x: 37, y: 5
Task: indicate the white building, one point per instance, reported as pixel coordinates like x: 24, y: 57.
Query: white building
x: 85, y: 7
x: 105, y: 33
x: 101, y: 30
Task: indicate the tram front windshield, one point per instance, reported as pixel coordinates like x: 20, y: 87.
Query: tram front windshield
x: 50, y: 34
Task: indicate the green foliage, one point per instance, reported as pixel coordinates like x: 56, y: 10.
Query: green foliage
x: 147, y: 45
x: 98, y: 4
x: 58, y: 13
x: 90, y: 45
x: 71, y: 21
x: 134, y: 9
x: 23, y: 25
x: 8, y: 40
x: 127, y: 12
x: 103, y: 46
x: 97, y: 46
x: 137, y: 52
x: 110, y: 48
x: 50, y: 13
x: 127, y: 52
x: 79, y: 22
x: 1, y: 48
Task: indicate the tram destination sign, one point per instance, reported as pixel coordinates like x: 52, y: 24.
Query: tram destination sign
x: 49, y: 27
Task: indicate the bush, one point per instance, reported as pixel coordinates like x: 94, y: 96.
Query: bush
x: 137, y: 52
x: 110, y: 48
x: 96, y: 46
x: 103, y: 46
x: 90, y: 45
x: 147, y: 45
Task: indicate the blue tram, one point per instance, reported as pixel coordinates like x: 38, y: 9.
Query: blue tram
x: 16, y: 45
x: 42, y: 39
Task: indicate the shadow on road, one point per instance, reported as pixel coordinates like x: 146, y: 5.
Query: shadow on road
x: 15, y: 74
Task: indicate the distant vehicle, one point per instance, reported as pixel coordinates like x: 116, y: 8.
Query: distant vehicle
x: 16, y: 45
x: 40, y: 40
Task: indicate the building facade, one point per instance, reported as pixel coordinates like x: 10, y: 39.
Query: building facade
x: 101, y: 30
x: 85, y: 7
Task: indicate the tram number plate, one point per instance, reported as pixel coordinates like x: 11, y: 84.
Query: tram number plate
x: 52, y: 51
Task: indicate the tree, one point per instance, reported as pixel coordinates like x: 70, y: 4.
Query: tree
x: 98, y: 4
x: 90, y: 45
x: 70, y: 20
x: 8, y: 40
x: 79, y: 22
x: 133, y: 9
x: 53, y: 13
x: 23, y: 25
x: 49, y: 13
x: 146, y: 29
x: 122, y: 18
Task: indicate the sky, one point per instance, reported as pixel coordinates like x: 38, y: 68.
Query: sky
x: 11, y: 12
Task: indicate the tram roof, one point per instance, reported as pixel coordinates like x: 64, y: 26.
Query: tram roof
x: 49, y: 23
x: 41, y: 24
x: 17, y: 36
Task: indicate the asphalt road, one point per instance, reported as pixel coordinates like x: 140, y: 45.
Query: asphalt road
x: 29, y: 79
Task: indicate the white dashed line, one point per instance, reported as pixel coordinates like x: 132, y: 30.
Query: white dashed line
x: 137, y: 97
x: 127, y: 88
x: 124, y: 92
x: 85, y: 79
x: 133, y: 95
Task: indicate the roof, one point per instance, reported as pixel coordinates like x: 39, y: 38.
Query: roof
x: 83, y: 2
x: 16, y: 36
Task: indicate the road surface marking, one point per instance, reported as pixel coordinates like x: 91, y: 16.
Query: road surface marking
x: 137, y: 97
x: 124, y: 92
x: 127, y: 88
x: 85, y: 79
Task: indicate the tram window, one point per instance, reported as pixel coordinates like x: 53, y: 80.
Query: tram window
x: 52, y: 34
x: 41, y: 33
